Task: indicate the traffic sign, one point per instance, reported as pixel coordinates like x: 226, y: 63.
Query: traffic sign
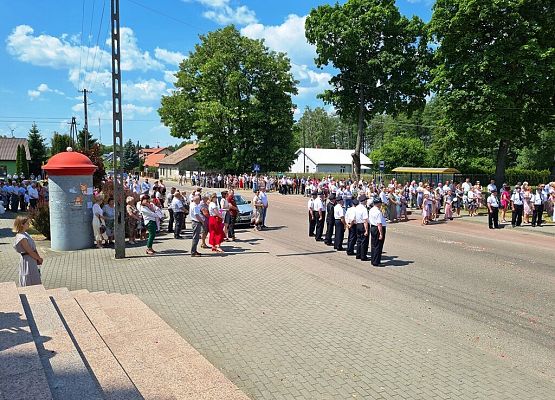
x: 256, y: 168
x: 382, y: 165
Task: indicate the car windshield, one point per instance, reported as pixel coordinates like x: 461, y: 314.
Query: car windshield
x: 240, y: 200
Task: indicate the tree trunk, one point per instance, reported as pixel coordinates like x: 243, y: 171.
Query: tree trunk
x: 360, y: 135
x: 501, y: 162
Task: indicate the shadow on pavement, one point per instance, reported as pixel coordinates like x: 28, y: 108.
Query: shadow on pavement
x: 393, y: 261
x: 309, y: 253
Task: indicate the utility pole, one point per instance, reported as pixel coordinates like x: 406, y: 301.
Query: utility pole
x: 99, y: 131
x: 119, y: 221
x: 86, y: 126
x: 73, y: 131
x: 12, y: 129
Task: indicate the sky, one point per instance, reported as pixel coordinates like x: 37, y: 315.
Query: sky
x: 50, y: 50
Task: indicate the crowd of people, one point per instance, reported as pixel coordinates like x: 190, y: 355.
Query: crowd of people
x: 20, y: 195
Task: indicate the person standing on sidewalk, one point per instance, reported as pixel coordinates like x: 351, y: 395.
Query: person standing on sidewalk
x: 319, y: 214
x: 538, y: 199
x: 149, y: 217
x: 350, y: 220
x: 264, y: 199
x: 340, y: 225
x: 233, y: 211
x: 170, y: 210
x: 361, y: 219
x: 178, y: 213
x: 330, y: 220
x: 517, y: 205
x: 29, y: 272
x: 377, y: 230
x: 493, y: 210
x: 311, y: 219
x: 197, y: 222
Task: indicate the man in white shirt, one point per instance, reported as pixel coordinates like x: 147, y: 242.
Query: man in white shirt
x: 517, y: 205
x: 493, y: 210
x: 264, y: 199
x: 33, y: 195
x: 311, y: 219
x: 145, y: 187
x: 492, y: 187
x: 319, y: 213
x: 340, y: 225
x: 377, y: 230
x: 537, y: 201
x: 351, y: 225
x: 466, y: 186
x: 197, y: 221
x: 178, y: 213
x: 361, y: 219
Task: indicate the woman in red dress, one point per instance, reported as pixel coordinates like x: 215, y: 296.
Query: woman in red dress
x: 215, y: 225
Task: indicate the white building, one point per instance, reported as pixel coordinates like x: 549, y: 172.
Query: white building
x: 326, y: 160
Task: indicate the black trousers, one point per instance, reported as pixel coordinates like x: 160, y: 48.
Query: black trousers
x: 517, y: 215
x: 179, y: 219
x: 339, y: 234
x: 352, y: 239
x: 362, y: 243
x: 231, y: 227
x: 311, y: 223
x: 171, y: 220
x: 537, y: 215
x: 377, y: 244
x: 22, y: 204
x: 319, y: 224
x: 493, y: 218
x: 15, y: 202
x: 330, y: 223
x: 33, y: 203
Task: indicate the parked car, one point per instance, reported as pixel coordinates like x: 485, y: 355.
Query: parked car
x: 244, y: 216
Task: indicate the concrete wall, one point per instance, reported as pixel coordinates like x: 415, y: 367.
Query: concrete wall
x: 297, y: 166
x: 70, y: 215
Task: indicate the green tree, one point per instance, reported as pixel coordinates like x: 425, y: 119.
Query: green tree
x: 319, y: 129
x: 59, y: 143
x: 37, y: 150
x: 495, y: 68
x: 130, y: 159
x: 18, y: 160
x: 235, y: 96
x: 81, y: 140
x: 382, y: 58
x: 95, y: 156
x: 400, y: 152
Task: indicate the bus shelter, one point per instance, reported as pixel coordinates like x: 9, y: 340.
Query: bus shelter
x: 434, y: 175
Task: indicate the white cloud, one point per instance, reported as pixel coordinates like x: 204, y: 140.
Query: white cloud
x: 287, y: 38
x: 312, y: 83
x: 129, y: 110
x: 222, y: 13
x: 169, y: 57
x: 42, y: 88
x: 169, y: 76
x: 133, y: 58
x: 145, y: 90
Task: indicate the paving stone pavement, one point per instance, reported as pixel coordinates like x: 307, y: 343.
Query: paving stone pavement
x: 279, y: 332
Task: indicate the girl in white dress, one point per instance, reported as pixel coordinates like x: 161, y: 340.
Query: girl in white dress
x: 29, y: 272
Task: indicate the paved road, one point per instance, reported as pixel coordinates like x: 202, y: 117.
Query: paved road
x: 460, y: 311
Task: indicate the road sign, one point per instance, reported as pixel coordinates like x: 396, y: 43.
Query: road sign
x: 256, y: 168
x: 382, y: 165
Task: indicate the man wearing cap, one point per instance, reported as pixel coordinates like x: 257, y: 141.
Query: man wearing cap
x: 311, y: 219
x: 330, y: 220
x: 340, y: 225
x: 517, y: 205
x: 377, y: 230
x: 319, y: 214
x: 361, y: 219
x: 538, y: 199
x: 350, y: 216
x: 493, y: 210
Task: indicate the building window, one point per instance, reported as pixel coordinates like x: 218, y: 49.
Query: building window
x: 342, y: 169
x: 307, y: 169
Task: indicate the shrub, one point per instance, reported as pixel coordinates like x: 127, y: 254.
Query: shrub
x: 40, y: 219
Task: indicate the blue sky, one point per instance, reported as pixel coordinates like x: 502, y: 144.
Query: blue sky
x: 49, y: 52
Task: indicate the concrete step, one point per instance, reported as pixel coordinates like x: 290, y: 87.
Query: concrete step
x: 67, y: 374
x: 115, y: 383
x: 21, y: 372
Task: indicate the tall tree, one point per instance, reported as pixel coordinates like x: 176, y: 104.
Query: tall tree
x: 235, y: 96
x: 81, y: 140
x: 130, y: 156
x: 496, y: 63
x: 400, y: 152
x: 18, y: 160
x: 95, y: 156
x: 37, y: 150
x: 382, y: 58
x: 59, y: 143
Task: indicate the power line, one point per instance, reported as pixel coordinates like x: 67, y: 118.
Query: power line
x: 165, y: 15
x: 98, y: 37
x: 81, y: 40
x: 89, y: 45
x: 100, y: 61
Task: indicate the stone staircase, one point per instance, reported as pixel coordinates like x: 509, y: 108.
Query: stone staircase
x: 61, y: 344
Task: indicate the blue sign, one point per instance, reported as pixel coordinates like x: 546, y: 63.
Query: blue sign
x: 382, y: 165
x: 256, y: 168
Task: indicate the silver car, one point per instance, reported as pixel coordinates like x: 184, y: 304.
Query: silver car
x: 245, y: 213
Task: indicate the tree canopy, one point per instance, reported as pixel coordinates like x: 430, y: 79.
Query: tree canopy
x: 381, y: 56
x: 495, y: 68
x: 37, y: 150
x: 317, y: 128
x: 130, y: 159
x: 234, y: 95
x: 59, y: 143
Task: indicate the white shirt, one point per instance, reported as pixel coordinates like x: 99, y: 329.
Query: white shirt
x: 213, y: 209
x: 33, y: 193
x: 318, y: 204
x: 196, y: 215
x: 97, y: 211
x: 493, y: 201
x: 466, y: 186
x: 350, y: 215
x: 361, y: 214
x: 310, y: 204
x: 263, y: 198
x: 516, y: 198
x: 537, y: 199
x: 384, y: 198
x: 492, y: 187
x: 375, y: 217
x: 338, y: 211
x: 224, y: 206
x: 176, y: 205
